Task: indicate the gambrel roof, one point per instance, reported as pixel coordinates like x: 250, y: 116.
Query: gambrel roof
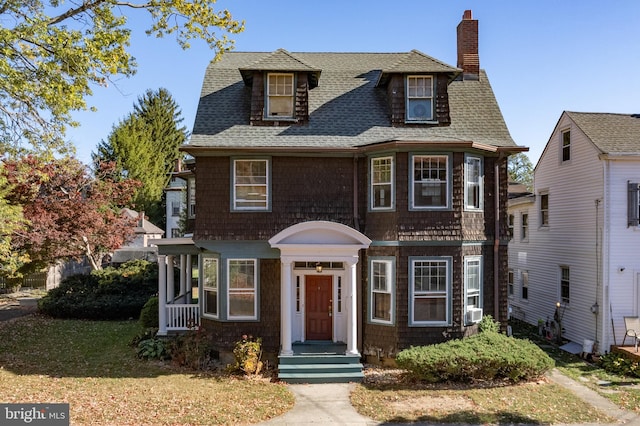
x: 346, y: 110
x: 610, y: 133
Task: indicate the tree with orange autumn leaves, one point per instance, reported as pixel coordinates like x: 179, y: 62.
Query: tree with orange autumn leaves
x: 68, y: 211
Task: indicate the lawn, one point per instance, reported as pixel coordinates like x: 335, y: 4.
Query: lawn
x: 389, y: 395
x: 90, y: 365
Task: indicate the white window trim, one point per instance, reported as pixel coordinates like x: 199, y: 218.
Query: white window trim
x: 408, y: 99
x: 206, y: 288
x: 467, y: 291
x: 254, y: 291
x: 268, y: 97
x: 524, y: 283
x: 191, y: 213
x: 560, y: 280
x: 524, y: 236
x: 563, y: 146
x: 541, y: 211
x: 267, y: 185
x: 480, y: 183
x: 412, y: 260
x: 412, y: 182
x: 391, y: 183
x: 390, y: 274
x: 510, y: 283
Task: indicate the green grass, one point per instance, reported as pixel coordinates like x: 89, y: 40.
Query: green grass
x: 90, y: 365
x: 532, y: 403
x: 622, y: 391
x: 401, y: 399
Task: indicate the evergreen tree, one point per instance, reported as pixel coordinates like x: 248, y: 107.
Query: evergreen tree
x: 144, y: 146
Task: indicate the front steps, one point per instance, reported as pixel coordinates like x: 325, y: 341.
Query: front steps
x: 319, y: 362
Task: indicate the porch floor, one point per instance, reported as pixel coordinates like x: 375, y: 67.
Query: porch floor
x: 627, y: 351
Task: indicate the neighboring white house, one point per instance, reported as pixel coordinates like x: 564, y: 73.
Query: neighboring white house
x: 142, y: 246
x: 175, y: 205
x: 576, y: 239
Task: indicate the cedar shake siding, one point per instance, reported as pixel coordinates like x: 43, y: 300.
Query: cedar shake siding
x: 415, y: 118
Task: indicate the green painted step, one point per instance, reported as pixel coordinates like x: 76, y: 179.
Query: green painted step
x: 294, y: 378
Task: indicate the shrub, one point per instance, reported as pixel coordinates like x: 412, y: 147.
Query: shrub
x: 485, y: 356
x: 488, y: 325
x: 153, y: 348
x: 149, y: 313
x: 109, y: 294
x: 192, y: 350
x: 248, y: 354
x: 619, y: 365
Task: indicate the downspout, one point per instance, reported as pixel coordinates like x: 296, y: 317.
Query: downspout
x: 356, y: 223
x: 496, y: 242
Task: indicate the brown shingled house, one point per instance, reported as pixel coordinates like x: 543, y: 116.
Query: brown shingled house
x: 347, y: 205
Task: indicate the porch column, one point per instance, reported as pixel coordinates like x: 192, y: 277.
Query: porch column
x: 162, y: 295
x: 189, y: 278
x: 285, y: 307
x: 352, y: 320
x: 170, y: 279
x: 183, y: 278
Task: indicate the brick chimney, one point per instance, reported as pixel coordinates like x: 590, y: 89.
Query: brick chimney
x: 468, y: 58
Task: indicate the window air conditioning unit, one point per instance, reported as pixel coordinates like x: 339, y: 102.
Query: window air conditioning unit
x: 474, y: 315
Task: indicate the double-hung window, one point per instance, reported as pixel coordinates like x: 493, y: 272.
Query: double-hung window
x: 419, y: 98
x: 241, y: 289
x: 210, y: 286
x: 251, y: 184
x: 473, y: 288
x: 430, y: 181
x: 525, y: 285
x: 633, y: 204
x: 473, y: 183
x: 382, y: 183
x: 510, y: 282
x: 191, y: 190
x: 524, y: 227
x: 544, y: 209
x: 280, y: 95
x: 381, y: 296
x: 564, y: 285
x: 430, y: 291
x: 566, y: 145
x: 510, y: 225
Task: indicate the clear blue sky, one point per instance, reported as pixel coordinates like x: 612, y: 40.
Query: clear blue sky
x: 542, y: 57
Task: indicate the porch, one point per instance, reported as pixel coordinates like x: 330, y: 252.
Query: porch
x: 319, y: 362
x: 176, y: 312
x: 627, y: 351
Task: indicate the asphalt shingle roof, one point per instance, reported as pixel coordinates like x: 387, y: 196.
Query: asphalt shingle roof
x: 610, y: 133
x: 346, y: 108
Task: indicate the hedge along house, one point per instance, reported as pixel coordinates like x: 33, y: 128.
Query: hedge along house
x: 351, y: 198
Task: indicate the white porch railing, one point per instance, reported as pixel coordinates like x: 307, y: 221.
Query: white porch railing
x: 182, y: 316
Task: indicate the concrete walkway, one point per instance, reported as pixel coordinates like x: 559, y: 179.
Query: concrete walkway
x: 328, y: 404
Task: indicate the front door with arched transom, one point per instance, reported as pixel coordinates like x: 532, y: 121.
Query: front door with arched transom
x: 318, y: 307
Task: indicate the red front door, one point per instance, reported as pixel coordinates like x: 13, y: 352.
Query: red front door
x: 318, y: 303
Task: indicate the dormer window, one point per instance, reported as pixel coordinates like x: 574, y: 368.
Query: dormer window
x: 419, y: 98
x: 280, y: 95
